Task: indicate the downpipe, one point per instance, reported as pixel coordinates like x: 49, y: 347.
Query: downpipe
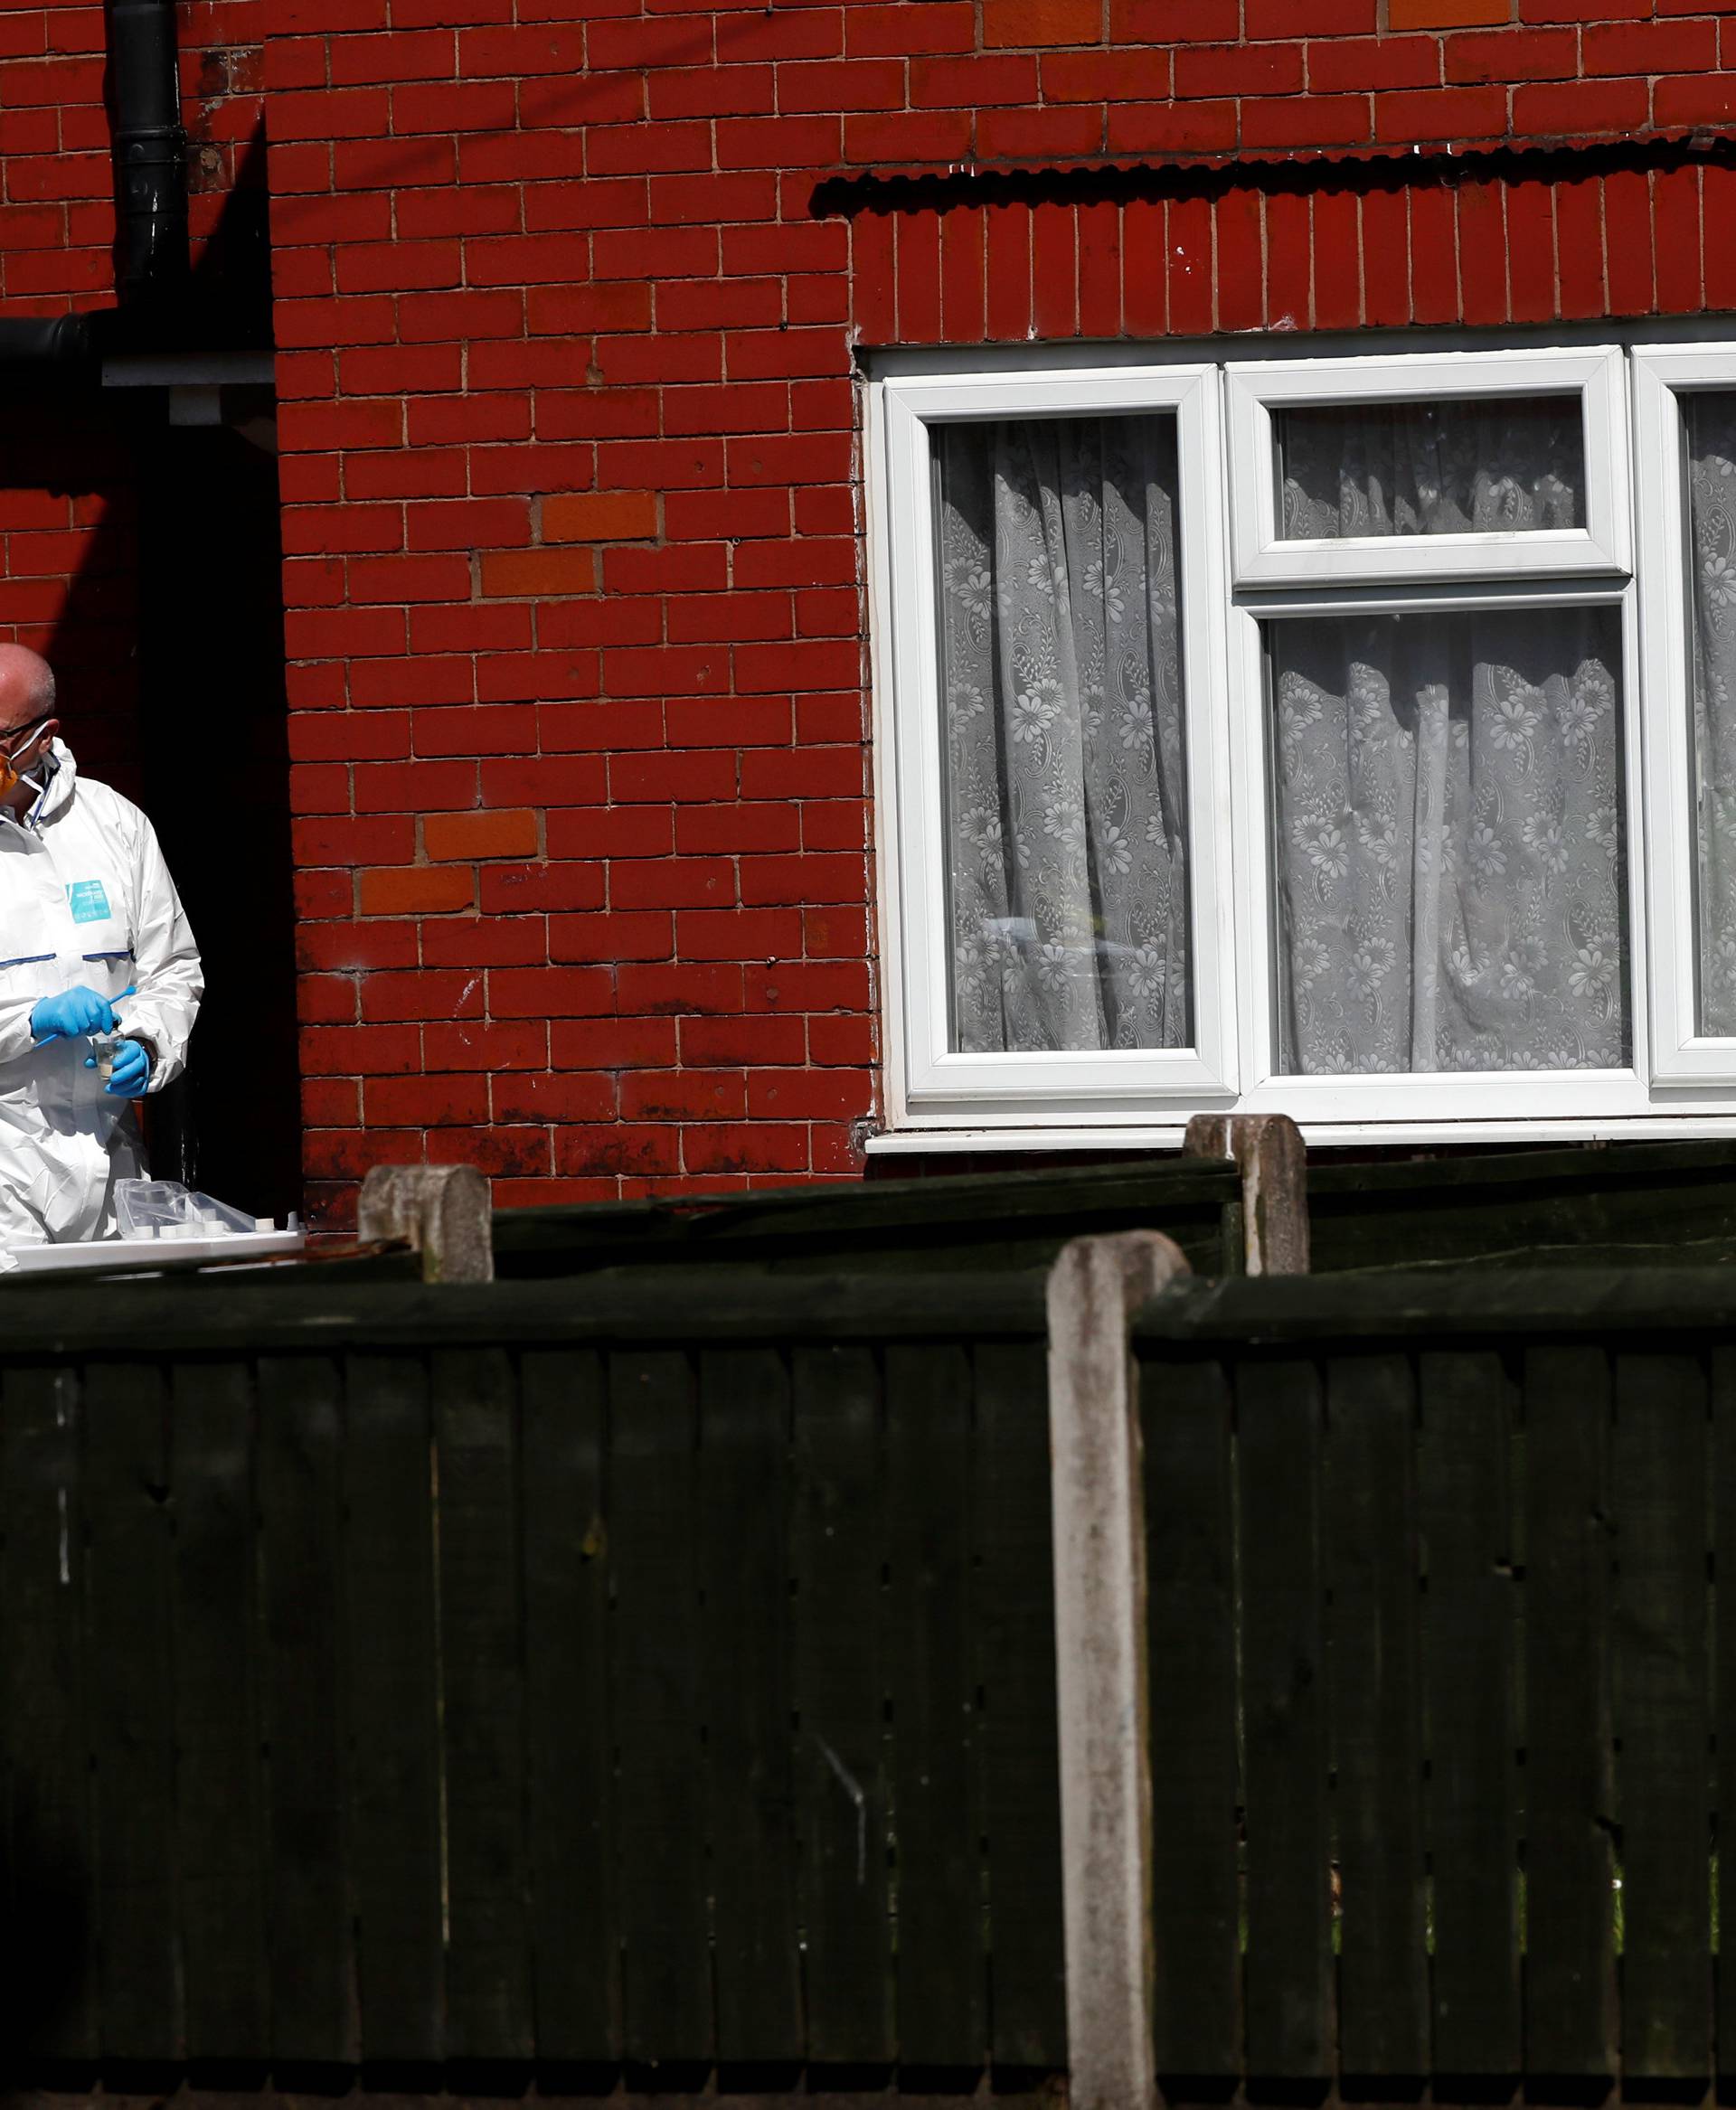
x: 150, y: 149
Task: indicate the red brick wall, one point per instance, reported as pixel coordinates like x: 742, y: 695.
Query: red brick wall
x: 570, y: 469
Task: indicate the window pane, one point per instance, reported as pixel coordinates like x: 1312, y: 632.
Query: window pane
x: 1448, y: 841
x: 1452, y: 466
x: 1711, y: 422
x: 1061, y: 702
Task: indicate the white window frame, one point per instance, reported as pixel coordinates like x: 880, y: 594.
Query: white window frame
x: 1101, y: 1086
x: 1663, y: 374
x: 934, y: 1097
x: 1256, y: 391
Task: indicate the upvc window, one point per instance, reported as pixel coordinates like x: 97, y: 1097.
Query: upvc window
x: 1277, y: 736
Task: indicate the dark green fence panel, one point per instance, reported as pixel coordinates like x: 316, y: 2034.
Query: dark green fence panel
x: 744, y: 1406
x: 1191, y: 1678
x: 1509, y: 1822
x: 649, y: 1673
x: 1291, y: 2027
x: 1013, y: 1615
x: 488, y: 2009
x: 219, y: 1789
x: 1662, y: 1723
x: 50, y: 2003
x: 1569, y: 1782
x: 311, y: 1953
x: 942, y: 1991
x: 569, y: 1740
x: 841, y: 1630
x: 131, y: 1688
x: 394, y: 1815
x: 1472, y: 1736
x: 1376, y: 1713
x: 659, y: 1832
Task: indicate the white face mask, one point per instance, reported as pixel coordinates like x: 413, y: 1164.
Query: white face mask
x: 36, y: 777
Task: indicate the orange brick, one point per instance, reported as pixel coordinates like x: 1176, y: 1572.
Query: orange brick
x: 414, y: 891
x: 514, y: 574
x: 600, y: 516
x: 1042, y: 22
x: 450, y: 836
x: 1445, y: 13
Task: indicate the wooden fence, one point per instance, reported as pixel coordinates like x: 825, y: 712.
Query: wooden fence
x: 1442, y: 1681
x: 1655, y: 1204
x: 558, y: 1674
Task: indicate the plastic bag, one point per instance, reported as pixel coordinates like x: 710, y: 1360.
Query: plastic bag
x: 164, y: 1208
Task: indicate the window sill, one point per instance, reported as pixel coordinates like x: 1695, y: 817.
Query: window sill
x: 1635, y: 1128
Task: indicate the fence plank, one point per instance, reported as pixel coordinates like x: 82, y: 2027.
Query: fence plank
x: 1468, y: 1675
x: 574, y: 1913
x: 488, y: 2013
x: 311, y: 1931
x: 839, y: 1543
x: 1570, y: 1797
x: 49, y: 1999
x: 1289, y: 2026
x: 666, y: 1972
x: 1383, y: 1973
x: 743, y: 1539
x: 942, y: 2006
x: 132, y: 1708
x: 394, y: 1733
x: 1723, y: 1519
x: 1661, y: 1715
x: 219, y: 1829
x: 1184, y: 1414
x: 1014, y: 1619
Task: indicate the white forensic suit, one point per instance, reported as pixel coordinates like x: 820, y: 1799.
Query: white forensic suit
x: 85, y: 898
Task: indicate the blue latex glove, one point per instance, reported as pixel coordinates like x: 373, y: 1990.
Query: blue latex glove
x: 131, y: 1072
x: 70, y: 1013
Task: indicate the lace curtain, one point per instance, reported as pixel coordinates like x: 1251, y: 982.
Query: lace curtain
x: 1061, y: 694
x: 1433, y: 468
x: 1711, y: 422
x: 1448, y: 841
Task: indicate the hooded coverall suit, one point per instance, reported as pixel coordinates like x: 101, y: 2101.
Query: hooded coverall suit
x: 85, y: 898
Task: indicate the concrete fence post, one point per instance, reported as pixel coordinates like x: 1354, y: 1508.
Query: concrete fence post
x: 444, y: 1212
x: 1099, y: 1559
x: 1268, y: 1153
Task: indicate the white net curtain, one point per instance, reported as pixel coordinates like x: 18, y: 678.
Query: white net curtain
x: 1512, y: 465
x: 1711, y: 422
x: 1447, y: 843
x: 1448, y: 846
x: 1066, y: 794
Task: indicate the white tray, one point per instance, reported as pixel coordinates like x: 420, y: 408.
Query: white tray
x: 148, y: 1253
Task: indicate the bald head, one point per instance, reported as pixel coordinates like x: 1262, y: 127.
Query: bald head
x: 26, y: 688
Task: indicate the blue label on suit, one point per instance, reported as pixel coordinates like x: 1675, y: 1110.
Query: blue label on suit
x: 88, y: 901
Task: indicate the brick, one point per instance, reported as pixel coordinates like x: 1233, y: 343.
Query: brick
x: 1215, y: 69
x: 449, y: 837
x: 1511, y: 55
x: 706, y: 1095
x: 550, y: 993
x: 537, y: 572
x: 621, y: 935
x: 1579, y: 106
x: 1445, y: 13
x: 601, y: 516
x: 1446, y: 113
x: 1338, y: 64
x: 1024, y: 23
x: 1649, y: 47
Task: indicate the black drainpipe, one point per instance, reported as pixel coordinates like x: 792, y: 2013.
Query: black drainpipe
x: 150, y: 149
x: 150, y: 188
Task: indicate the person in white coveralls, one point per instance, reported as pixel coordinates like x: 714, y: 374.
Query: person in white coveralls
x: 93, y: 942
